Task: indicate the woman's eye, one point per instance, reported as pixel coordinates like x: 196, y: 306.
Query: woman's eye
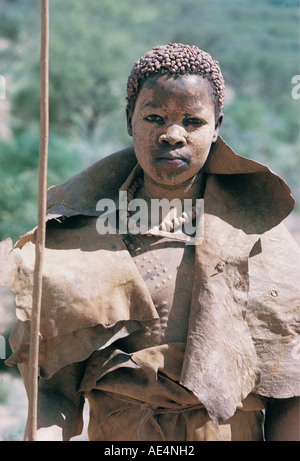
x: 193, y: 121
x: 154, y: 118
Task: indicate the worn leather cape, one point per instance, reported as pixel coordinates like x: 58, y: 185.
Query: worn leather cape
x: 244, y: 323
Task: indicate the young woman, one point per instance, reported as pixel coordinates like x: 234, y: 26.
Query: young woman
x: 166, y: 338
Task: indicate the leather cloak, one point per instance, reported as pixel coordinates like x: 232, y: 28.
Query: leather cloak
x: 244, y: 323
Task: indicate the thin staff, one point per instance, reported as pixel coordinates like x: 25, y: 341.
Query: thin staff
x: 41, y: 229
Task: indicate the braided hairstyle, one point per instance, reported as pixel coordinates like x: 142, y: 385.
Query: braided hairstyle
x: 176, y: 59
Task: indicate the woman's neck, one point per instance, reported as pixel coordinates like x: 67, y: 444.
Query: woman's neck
x: 191, y: 189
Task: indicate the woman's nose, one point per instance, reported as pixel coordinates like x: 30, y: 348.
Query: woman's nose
x: 174, y: 135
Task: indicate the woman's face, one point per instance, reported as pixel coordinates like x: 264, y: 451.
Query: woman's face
x: 173, y: 126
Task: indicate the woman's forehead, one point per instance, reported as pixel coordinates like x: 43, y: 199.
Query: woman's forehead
x: 187, y: 89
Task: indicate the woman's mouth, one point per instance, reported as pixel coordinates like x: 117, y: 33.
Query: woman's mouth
x: 171, y: 159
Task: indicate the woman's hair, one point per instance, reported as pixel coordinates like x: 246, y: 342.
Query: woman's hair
x: 176, y: 59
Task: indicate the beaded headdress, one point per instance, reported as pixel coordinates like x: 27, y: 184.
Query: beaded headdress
x: 176, y: 59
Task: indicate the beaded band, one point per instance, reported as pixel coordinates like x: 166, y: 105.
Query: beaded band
x: 165, y: 226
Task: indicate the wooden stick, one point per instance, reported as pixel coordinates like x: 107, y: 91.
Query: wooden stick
x: 41, y: 228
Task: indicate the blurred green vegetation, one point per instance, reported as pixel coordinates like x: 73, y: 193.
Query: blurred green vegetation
x: 93, y: 46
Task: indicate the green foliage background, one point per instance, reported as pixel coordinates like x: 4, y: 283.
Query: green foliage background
x: 92, y: 49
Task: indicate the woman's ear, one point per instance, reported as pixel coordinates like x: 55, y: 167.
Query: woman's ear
x: 129, y: 114
x: 217, y: 127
